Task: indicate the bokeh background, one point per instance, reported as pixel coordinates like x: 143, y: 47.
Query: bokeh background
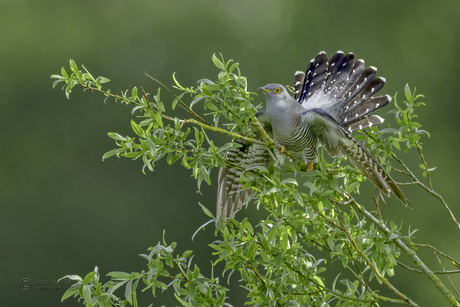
x: 64, y: 211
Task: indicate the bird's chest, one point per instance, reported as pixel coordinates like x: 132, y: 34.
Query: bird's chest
x: 287, y: 132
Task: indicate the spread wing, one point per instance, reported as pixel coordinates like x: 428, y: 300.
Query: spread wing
x: 230, y: 194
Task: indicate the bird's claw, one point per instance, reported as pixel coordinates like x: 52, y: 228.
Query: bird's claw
x: 310, y: 166
x: 282, y: 149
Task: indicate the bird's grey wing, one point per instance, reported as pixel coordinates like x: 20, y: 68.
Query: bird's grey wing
x: 323, y: 127
x: 230, y: 194
x: 338, y: 141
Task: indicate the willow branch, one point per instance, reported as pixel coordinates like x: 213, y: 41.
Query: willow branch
x: 439, y: 252
x: 412, y: 255
x: 374, y: 269
x: 424, y: 165
x: 186, y: 107
x: 429, y: 190
x: 421, y: 272
x: 361, y: 278
x: 108, y: 94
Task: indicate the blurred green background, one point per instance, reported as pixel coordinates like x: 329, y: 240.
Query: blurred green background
x: 64, y: 211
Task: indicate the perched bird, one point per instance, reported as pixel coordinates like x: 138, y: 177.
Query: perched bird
x: 332, y: 99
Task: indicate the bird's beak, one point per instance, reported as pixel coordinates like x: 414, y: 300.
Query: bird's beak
x: 263, y: 89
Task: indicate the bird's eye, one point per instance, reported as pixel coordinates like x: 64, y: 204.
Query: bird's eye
x: 277, y: 90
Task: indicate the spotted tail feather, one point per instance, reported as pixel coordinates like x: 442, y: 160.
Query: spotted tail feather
x: 363, y: 123
x: 361, y: 158
x: 342, y: 87
x: 315, y: 75
x: 364, y: 108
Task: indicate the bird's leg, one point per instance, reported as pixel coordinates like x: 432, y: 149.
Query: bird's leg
x: 282, y: 149
x: 309, y: 159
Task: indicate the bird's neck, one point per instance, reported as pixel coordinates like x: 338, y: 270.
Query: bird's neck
x: 282, y: 118
x: 282, y: 114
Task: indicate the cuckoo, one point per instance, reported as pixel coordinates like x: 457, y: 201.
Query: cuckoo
x: 332, y: 99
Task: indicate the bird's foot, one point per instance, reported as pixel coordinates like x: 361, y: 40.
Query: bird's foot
x: 310, y: 166
x: 282, y: 149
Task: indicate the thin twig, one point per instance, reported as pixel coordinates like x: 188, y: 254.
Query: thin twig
x: 448, y: 277
x: 421, y: 272
x: 374, y: 269
x: 334, y: 293
x: 437, y: 251
x: 223, y: 131
x: 376, y: 201
x: 411, y: 253
x: 424, y: 165
x: 328, y: 220
x: 341, y: 203
x: 400, y: 171
x: 430, y: 191
x: 407, y: 183
x: 374, y: 295
x: 186, y: 107
x: 108, y: 94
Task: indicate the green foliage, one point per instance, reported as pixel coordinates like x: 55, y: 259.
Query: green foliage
x: 190, y: 286
x: 313, y: 218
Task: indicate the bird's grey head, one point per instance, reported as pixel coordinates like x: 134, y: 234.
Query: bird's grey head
x: 276, y: 96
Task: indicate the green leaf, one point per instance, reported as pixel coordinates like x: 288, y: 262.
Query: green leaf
x: 134, y: 93
x: 408, y: 93
x: 152, y: 148
x: 206, y: 211
x: 146, y: 161
x: 176, y: 100
x: 290, y: 180
x: 87, y: 295
x: 70, y: 291
x: 89, y: 277
x: 176, y: 123
x: 102, y: 79
x: 217, y: 62
x: 205, y: 175
x: 64, y: 73
x: 298, y: 198
x: 414, y: 125
x: 180, y: 301
x: 128, y: 292
x: 112, y: 152
x: 71, y: 277
x: 73, y: 66
x: 115, y: 286
x: 121, y: 275
x: 116, y: 136
x: 131, y: 155
x: 137, y: 129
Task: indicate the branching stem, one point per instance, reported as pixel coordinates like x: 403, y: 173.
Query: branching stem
x: 411, y: 253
